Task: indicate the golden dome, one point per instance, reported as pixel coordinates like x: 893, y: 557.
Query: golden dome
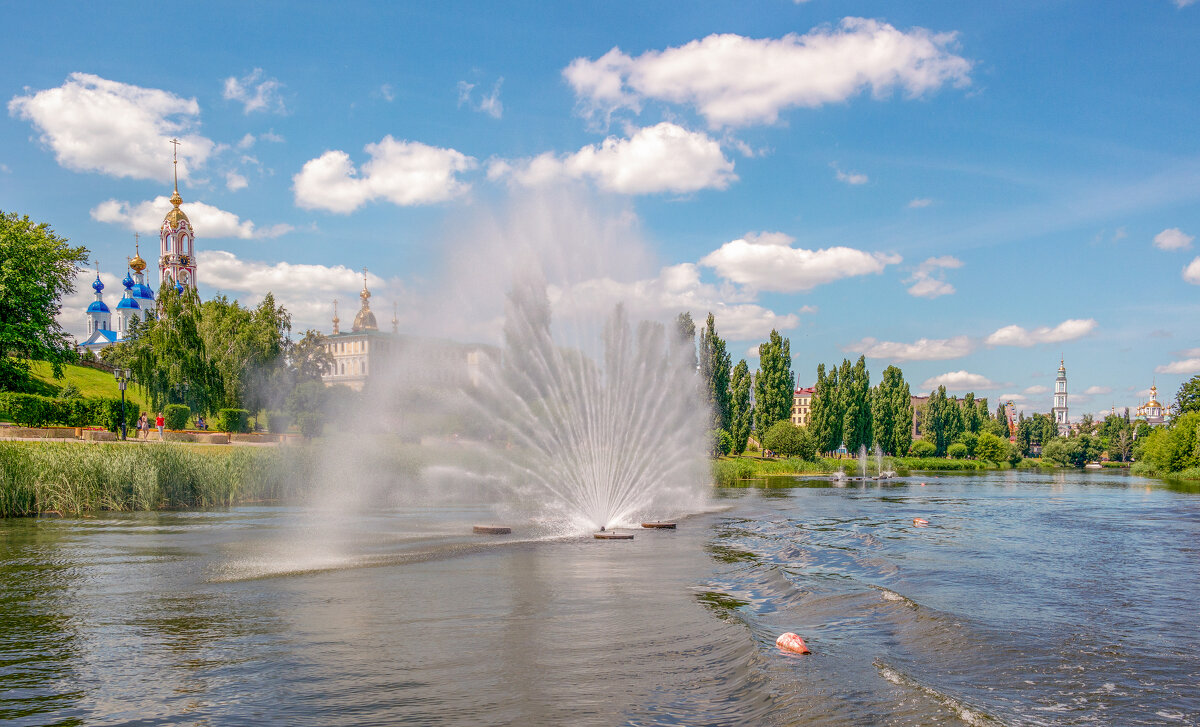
x: 137, y: 264
x: 1153, y: 403
x: 175, y: 215
x: 365, y: 320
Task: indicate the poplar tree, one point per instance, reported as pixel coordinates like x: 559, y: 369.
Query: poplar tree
x: 856, y: 393
x: 685, y: 338
x: 819, y: 410
x: 714, y: 373
x: 741, y: 409
x: 892, y: 412
x: 775, y: 384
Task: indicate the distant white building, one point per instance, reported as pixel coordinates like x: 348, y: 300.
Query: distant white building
x: 1060, y: 401
x: 365, y: 352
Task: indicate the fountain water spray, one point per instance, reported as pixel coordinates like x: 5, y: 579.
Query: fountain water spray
x: 603, y: 440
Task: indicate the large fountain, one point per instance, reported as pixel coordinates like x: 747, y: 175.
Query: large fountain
x: 577, y: 416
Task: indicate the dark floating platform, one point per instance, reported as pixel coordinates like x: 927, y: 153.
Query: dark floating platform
x: 659, y: 525
x: 611, y: 535
x: 491, y: 530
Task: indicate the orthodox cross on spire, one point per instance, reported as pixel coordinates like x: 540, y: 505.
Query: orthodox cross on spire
x: 175, y: 162
x: 136, y: 241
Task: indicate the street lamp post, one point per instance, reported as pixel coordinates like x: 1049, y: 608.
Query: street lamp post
x: 122, y: 376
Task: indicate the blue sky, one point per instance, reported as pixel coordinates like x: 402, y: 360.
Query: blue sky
x: 967, y: 190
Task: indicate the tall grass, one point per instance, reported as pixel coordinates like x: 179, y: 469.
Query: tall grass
x: 72, y: 479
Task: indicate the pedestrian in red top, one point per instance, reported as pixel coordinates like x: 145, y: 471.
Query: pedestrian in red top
x: 159, y: 422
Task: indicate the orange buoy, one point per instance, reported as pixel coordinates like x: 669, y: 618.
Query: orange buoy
x: 792, y: 642
x: 920, y: 522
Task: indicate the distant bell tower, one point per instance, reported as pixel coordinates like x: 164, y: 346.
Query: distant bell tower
x: 177, y: 255
x: 1060, y: 400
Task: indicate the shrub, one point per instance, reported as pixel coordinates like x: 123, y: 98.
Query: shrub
x: 968, y: 439
x: 176, y: 416
x: 311, y: 424
x: 81, y: 412
x: 784, y: 438
x: 991, y: 448
x: 233, y: 420
x: 278, y: 422
x: 921, y: 448
x: 958, y: 450
x: 27, y: 410
x: 107, y: 413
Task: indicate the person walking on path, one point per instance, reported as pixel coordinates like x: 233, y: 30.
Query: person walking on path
x: 159, y: 422
x: 143, y: 425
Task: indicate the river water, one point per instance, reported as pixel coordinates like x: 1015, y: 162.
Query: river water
x: 1040, y: 599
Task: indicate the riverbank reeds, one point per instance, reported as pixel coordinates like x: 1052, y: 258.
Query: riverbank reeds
x: 73, y: 479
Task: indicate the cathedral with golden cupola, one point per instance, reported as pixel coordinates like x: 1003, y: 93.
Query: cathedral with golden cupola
x: 176, y: 265
x: 1153, y: 412
x: 364, y: 353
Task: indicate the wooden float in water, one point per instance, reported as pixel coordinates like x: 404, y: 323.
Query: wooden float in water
x: 491, y: 530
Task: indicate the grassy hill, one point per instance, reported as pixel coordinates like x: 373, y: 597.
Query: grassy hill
x: 91, y: 383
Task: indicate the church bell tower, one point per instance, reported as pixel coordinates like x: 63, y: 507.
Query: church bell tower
x: 177, y: 255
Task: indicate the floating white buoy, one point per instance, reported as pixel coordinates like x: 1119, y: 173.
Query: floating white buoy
x: 792, y: 642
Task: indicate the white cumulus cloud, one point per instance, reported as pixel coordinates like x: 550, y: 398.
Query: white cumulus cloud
x: 1097, y: 390
x: 235, y: 181
x: 96, y: 125
x: 768, y: 262
x: 307, y: 291
x: 405, y: 173
x: 959, y: 381
x: 1015, y: 335
x: 675, y: 288
x: 1037, y: 389
x: 1173, y: 239
x: 1191, y: 273
x: 733, y: 80
x: 255, y: 92
x: 928, y: 280
x: 919, y: 202
x: 208, y: 221
x: 1188, y: 363
x: 923, y: 349
x: 661, y: 158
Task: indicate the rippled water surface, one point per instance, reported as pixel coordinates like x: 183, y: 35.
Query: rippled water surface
x: 1028, y: 599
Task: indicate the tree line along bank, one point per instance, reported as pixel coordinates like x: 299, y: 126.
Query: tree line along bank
x: 847, y: 413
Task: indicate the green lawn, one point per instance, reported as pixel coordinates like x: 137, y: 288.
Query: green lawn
x: 92, y: 383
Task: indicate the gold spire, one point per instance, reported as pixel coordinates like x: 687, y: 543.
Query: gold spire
x: 395, y: 317
x: 176, y: 214
x: 365, y: 320
x: 336, y: 320
x: 137, y: 263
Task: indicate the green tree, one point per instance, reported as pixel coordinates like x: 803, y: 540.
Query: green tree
x: 892, y: 412
x: 823, y: 412
x: 856, y: 393
x: 991, y: 448
x: 168, y: 357
x: 775, y: 383
x: 685, y: 338
x: 309, y: 357
x: 1187, y: 399
x: 37, y: 268
x: 714, y: 373
x: 943, y: 420
x: 741, y: 410
x: 786, y: 439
